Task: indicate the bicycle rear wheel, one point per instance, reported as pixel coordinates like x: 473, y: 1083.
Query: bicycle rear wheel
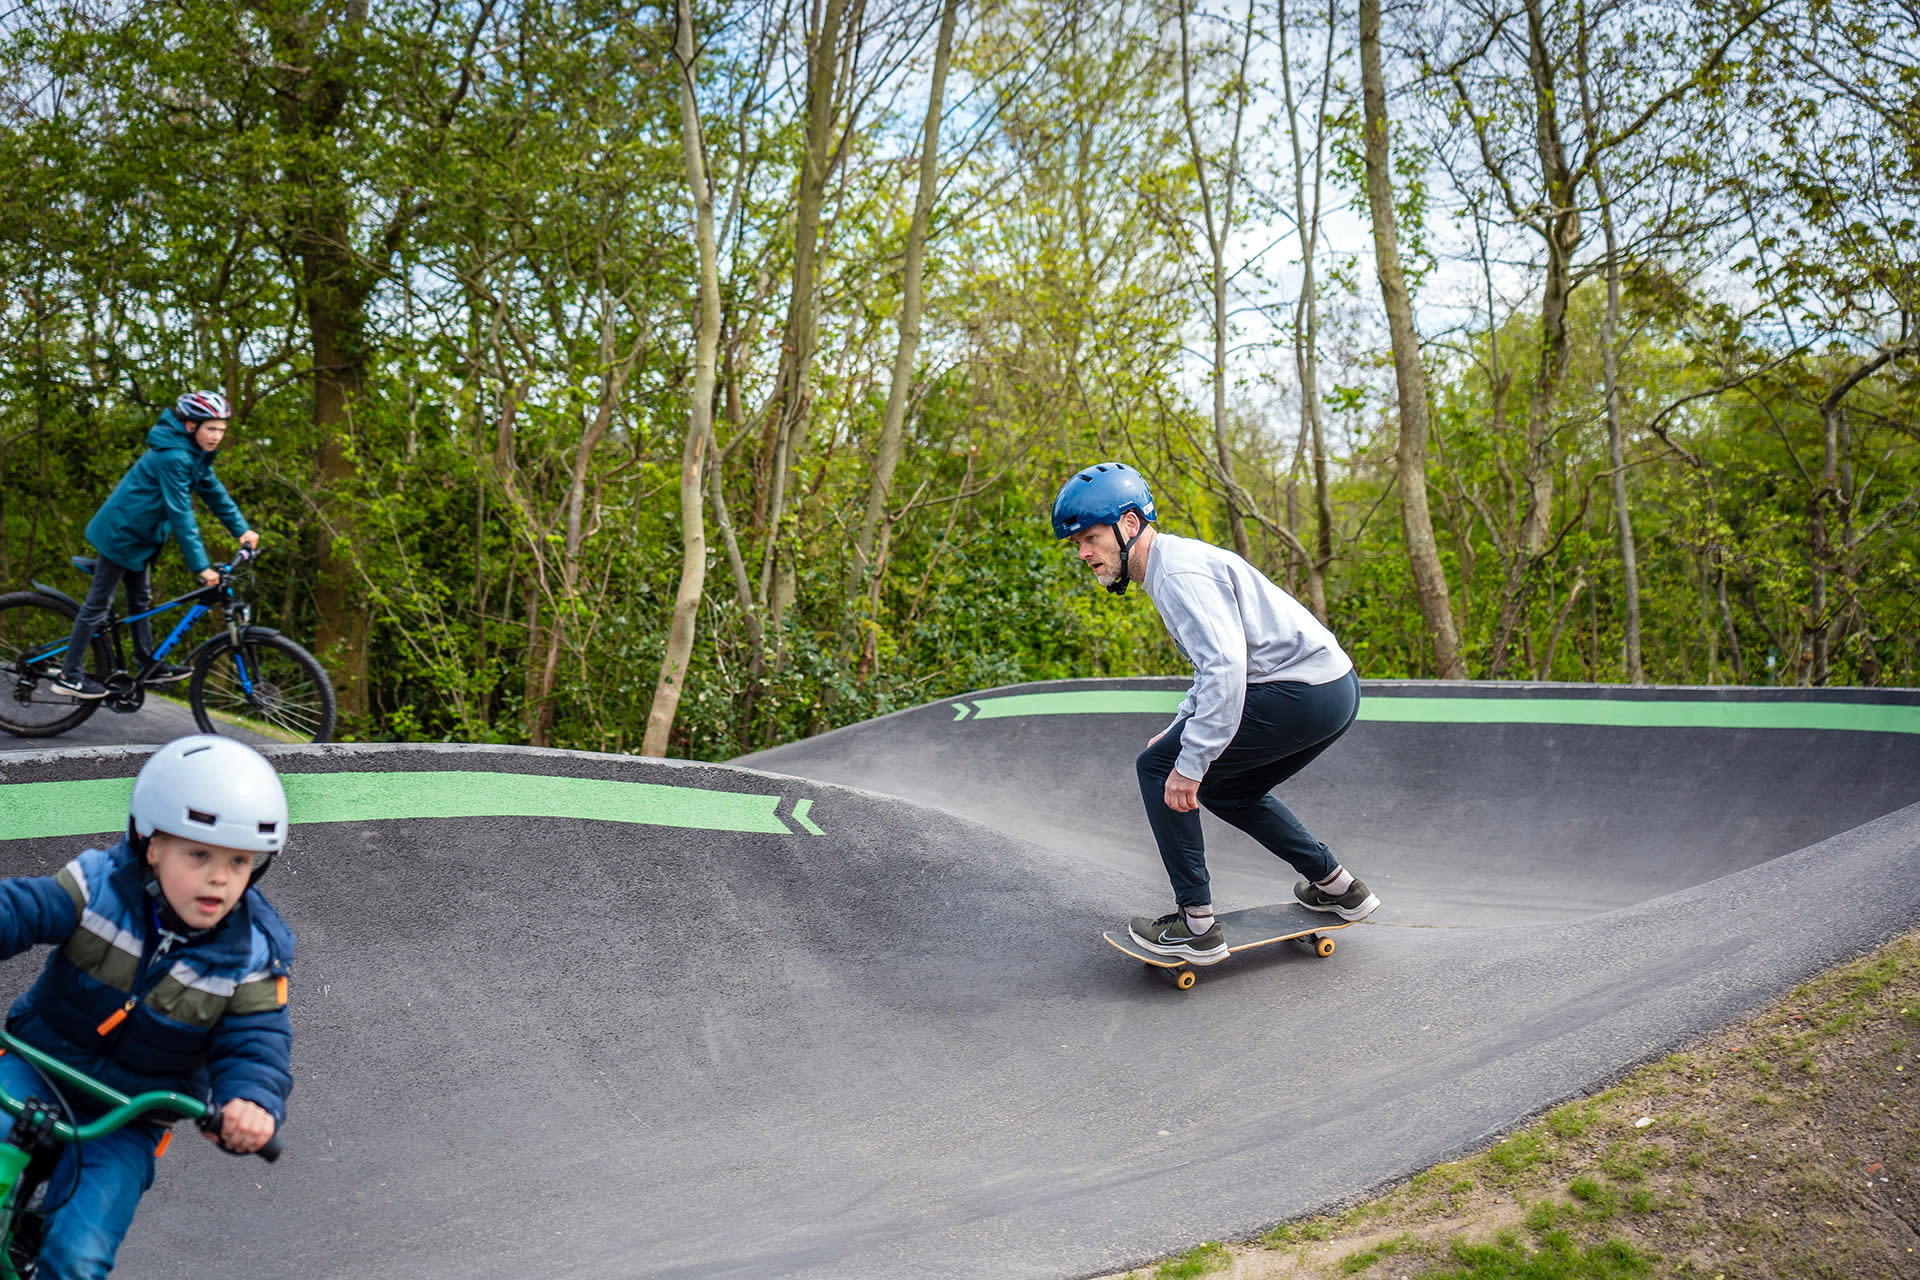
x: 269, y: 680
x: 31, y: 624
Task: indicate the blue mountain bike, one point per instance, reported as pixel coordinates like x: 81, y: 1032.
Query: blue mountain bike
x: 242, y: 675
x: 28, y: 1151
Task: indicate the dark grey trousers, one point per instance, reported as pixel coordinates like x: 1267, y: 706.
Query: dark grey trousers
x: 1283, y: 727
x: 107, y: 576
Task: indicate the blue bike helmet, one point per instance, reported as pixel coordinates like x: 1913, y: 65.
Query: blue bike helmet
x: 1099, y: 495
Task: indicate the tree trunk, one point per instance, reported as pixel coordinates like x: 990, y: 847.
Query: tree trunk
x: 1617, y: 457
x: 616, y: 370
x: 1559, y: 227
x: 1306, y: 319
x: 1416, y: 521
x: 312, y: 100
x: 794, y: 394
x: 1610, y: 372
x: 887, y: 457
x: 1831, y: 496
x: 693, y: 527
x: 1559, y: 625
x: 736, y: 562
x: 1219, y: 225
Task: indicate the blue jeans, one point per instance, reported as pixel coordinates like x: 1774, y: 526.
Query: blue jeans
x: 94, y: 1188
x: 1283, y: 727
x: 99, y: 602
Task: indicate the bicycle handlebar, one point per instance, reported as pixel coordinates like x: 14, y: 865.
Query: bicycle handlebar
x: 123, y: 1110
x: 241, y: 558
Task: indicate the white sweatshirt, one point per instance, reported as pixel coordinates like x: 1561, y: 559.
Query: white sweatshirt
x: 1236, y: 628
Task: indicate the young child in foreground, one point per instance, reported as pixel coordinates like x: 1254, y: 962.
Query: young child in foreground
x: 171, y: 974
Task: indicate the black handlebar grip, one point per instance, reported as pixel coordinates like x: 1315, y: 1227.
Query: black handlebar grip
x: 270, y: 1152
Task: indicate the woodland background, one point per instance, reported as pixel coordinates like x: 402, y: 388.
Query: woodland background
x: 690, y: 378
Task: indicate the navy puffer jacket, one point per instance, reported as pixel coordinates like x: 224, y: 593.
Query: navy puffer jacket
x: 208, y: 1018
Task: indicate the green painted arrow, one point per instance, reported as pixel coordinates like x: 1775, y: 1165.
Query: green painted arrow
x: 1695, y: 713
x: 34, y: 809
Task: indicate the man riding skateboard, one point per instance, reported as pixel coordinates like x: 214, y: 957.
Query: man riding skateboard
x: 1272, y: 689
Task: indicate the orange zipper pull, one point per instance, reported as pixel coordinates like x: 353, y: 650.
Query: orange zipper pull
x: 115, y: 1018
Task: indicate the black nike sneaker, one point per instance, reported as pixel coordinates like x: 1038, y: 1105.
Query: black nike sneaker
x: 1170, y: 936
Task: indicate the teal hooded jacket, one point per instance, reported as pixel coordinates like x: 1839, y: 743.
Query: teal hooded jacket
x: 155, y: 499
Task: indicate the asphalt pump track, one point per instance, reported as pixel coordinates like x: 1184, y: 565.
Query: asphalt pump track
x: 841, y: 1009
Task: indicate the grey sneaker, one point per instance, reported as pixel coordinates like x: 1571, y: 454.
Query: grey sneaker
x: 1170, y: 936
x: 1356, y: 903
x: 82, y: 686
x: 165, y: 673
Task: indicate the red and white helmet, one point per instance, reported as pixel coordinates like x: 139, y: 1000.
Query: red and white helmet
x: 198, y: 406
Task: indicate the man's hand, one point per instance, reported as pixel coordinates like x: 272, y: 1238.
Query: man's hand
x: 249, y: 540
x: 209, y: 577
x: 244, y: 1126
x: 1183, y: 793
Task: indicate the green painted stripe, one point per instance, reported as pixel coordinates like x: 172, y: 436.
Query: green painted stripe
x: 1630, y: 713
x: 1078, y: 702
x: 1860, y: 717
x: 801, y: 808
x: 29, y: 810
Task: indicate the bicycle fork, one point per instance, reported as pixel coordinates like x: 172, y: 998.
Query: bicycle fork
x: 238, y: 616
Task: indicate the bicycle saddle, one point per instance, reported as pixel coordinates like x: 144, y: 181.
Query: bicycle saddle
x: 85, y: 563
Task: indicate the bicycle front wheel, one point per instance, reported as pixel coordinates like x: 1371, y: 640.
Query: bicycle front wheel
x: 268, y: 684
x: 31, y: 624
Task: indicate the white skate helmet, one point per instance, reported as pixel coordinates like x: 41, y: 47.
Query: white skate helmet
x: 214, y: 789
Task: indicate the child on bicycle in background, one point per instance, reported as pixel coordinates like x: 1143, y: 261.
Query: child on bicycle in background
x: 154, y: 499
x: 171, y: 974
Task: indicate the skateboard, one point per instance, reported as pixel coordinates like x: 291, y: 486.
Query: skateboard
x: 1245, y: 930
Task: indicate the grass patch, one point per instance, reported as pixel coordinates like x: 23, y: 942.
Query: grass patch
x: 1354, y: 1263
x: 1209, y: 1257
x: 1601, y: 1200
x: 1515, y: 1155
x: 1555, y: 1257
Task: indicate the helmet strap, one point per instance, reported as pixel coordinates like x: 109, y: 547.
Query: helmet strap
x: 163, y: 913
x: 1119, y: 585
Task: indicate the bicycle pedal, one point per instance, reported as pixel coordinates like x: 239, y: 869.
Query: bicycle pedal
x: 124, y: 695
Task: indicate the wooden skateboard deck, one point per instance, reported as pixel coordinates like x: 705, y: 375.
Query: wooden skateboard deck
x: 1246, y: 929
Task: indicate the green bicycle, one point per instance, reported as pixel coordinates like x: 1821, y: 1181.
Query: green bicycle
x: 243, y: 672
x: 38, y: 1129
